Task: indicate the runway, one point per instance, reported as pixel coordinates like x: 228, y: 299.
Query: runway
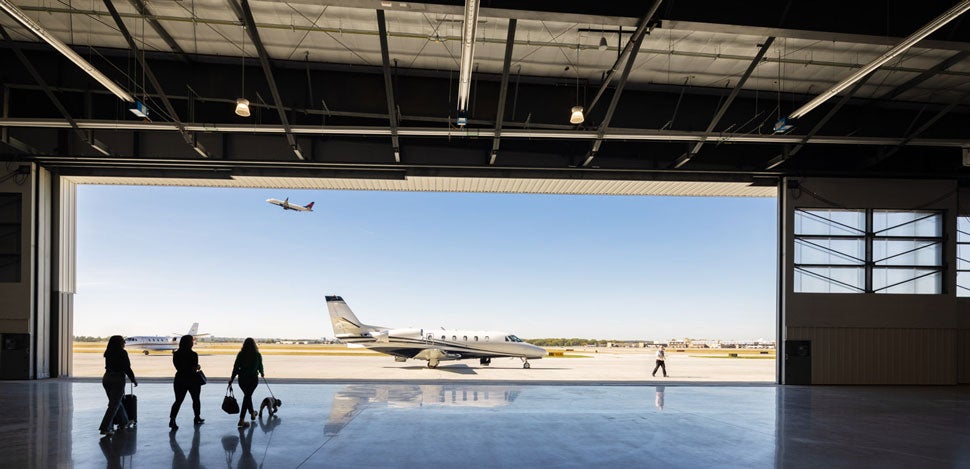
x: 599, y: 367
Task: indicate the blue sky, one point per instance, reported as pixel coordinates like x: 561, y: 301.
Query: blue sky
x: 152, y: 260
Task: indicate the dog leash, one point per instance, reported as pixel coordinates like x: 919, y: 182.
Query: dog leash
x: 267, y: 387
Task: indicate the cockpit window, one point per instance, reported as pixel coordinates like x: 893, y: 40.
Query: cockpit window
x: 513, y: 338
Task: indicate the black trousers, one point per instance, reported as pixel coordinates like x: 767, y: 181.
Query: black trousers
x: 183, y: 385
x: 114, y: 386
x: 660, y: 364
x: 248, y: 385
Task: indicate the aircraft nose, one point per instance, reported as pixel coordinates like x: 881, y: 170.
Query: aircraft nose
x: 538, y: 352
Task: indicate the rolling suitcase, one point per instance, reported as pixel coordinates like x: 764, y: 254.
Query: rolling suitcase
x: 130, y: 403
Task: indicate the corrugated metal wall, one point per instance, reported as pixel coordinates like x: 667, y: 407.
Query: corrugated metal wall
x: 881, y: 356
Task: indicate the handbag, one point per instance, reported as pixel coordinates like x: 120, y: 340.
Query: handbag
x: 229, y: 403
x: 201, y: 376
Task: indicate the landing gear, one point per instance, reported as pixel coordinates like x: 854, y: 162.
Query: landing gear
x: 432, y: 363
x: 485, y: 361
x: 146, y: 352
x: 525, y: 363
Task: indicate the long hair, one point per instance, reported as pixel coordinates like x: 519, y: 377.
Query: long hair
x: 185, y: 343
x: 115, y: 344
x: 249, y: 350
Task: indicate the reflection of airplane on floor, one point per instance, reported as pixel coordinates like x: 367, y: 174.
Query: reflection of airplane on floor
x: 428, y: 344
x: 154, y: 343
x: 355, y: 398
x: 288, y: 206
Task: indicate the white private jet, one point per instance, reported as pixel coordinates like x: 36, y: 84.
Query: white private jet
x: 288, y: 206
x: 428, y: 344
x: 155, y: 343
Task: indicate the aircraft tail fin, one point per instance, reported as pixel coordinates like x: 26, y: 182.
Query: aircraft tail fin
x: 194, y: 330
x: 309, y: 206
x: 345, y: 323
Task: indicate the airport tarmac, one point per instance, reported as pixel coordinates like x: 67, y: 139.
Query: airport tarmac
x: 577, y: 367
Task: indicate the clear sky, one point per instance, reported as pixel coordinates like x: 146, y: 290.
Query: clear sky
x: 153, y: 260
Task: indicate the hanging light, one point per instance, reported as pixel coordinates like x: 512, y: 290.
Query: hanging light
x: 577, y: 116
x: 242, y: 104
x: 242, y: 107
x: 603, y: 45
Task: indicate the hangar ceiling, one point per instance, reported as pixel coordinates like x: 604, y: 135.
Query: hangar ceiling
x: 673, y: 91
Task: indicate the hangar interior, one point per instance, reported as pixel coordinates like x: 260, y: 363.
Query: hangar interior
x: 859, y: 128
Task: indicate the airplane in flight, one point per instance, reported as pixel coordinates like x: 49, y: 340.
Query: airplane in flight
x: 288, y: 206
x: 155, y: 343
x: 428, y: 344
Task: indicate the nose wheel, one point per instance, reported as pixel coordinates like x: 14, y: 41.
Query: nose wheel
x: 525, y: 363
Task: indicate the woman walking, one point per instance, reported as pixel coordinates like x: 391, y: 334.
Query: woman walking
x: 186, y: 380
x: 248, y: 363
x: 116, y: 367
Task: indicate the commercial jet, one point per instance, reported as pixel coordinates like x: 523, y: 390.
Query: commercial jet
x: 428, y: 344
x: 288, y: 206
x: 155, y: 343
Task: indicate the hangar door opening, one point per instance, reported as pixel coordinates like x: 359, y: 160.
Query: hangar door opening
x: 600, y: 282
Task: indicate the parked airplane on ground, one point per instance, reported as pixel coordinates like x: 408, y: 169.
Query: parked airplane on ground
x: 288, y: 206
x: 428, y: 344
x: 148, y: 343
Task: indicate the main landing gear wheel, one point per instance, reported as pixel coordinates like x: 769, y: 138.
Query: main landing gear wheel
x: 526, y: 365
x: 146, y: 352
x: 485, y: 361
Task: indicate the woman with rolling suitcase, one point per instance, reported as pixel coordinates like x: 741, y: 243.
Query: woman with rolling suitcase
x: 116, y: 367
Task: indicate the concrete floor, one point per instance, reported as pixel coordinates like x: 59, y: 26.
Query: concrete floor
x: 53, y: 423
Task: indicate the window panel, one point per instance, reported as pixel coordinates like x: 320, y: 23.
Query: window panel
x: 838, y: 251
x: 913, y: 281
x: 829, y: 279
x: 907, y: 252
x: 830, y: 222
x: 908, y: 223
x: 963, y: 283
x: 963, y: 229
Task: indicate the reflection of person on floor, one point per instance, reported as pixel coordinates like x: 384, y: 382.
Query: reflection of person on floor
x: 115, y: 449
x: 229, y: 444
x: 179, y: 460
x: 661, y: 361
x: 246, y: 460
x: 660, y: 397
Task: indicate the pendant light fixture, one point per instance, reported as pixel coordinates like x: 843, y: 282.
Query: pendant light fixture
x: 242, y: 104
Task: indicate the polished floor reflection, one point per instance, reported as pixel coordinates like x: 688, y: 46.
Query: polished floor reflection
x: 54, y: 423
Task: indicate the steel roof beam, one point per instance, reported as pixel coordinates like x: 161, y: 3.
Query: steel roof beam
x: 503, y: 91
x: 929, y: 73
x: 86, y: 137
x: 616, y: 99
x: 683, y: 159
x: 373, y: 131
x: 883, y: 156
x: 388, y: 89
x: 637, y: 38
x: 188, y: 136
x: 153, y: 22
x: 246, y: 16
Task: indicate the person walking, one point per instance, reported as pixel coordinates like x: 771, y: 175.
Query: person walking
x: 661, y: 361
x: 116, y: 367
x: 187, y: 379
x: 248, y: 363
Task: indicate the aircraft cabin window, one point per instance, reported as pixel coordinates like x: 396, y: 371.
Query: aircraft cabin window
x: 442, y: 337
x: 476, y: 338
x: 486, y: 338
x: 430, y: 336
x: 454, y: 337
x: 465, y: 338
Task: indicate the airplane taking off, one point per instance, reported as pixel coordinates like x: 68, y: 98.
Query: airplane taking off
x: 148, y: 343
x: 288, y: 206
x: 428, y: 344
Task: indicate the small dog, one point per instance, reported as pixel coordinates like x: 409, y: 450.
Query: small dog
x: 272, y: 405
